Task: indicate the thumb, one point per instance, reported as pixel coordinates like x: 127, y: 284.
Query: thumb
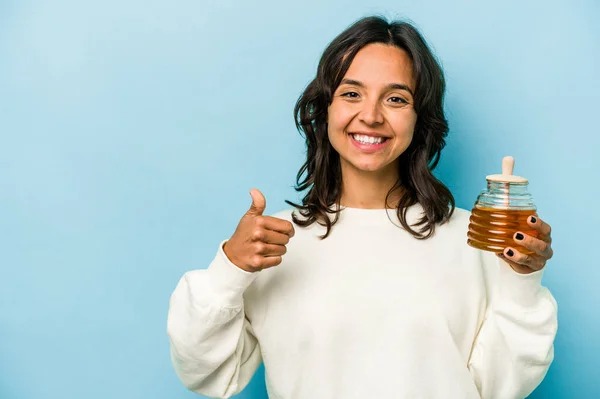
x: 259, y: 203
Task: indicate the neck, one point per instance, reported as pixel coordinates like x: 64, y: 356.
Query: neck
x: 368, y: 190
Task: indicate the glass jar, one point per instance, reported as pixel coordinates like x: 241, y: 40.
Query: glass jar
x: 500, y: 211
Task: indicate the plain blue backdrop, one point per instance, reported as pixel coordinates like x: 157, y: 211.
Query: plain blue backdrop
x: 131, y: 132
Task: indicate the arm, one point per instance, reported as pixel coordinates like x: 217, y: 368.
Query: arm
x: 213, y: 347
x: 514, y: 347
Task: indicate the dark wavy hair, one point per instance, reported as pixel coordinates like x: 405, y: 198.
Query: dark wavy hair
x: 321, y: 173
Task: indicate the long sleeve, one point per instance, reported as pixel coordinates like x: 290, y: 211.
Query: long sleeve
x: 515, y: 344
x: 213, y: 348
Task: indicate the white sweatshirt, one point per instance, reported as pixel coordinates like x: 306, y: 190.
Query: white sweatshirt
x: 369, y: 312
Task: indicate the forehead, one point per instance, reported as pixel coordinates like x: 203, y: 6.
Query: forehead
x: 381, y: 64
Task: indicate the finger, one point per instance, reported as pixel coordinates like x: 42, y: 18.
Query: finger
x: 542, y: 227
x: 270, y: 237
x: 533, y: 262
x: 271, y: 261
x: 259, y: 203
x: 259, y: 262
x: 265, y: 249
x: 276, y: 224
x: 540, y: 247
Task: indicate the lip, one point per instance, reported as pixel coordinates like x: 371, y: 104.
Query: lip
x: 369, y: 148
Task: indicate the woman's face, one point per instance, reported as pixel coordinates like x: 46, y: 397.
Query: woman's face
x: 371, y: 119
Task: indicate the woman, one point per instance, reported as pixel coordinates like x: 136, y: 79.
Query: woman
x: 375, y: 293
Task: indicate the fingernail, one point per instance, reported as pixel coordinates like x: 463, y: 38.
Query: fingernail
x: 519, y: 236
x: 510, y: 252
x: 533, y: 219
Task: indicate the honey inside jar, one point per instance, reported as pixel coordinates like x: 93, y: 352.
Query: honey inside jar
x: 493, y: 229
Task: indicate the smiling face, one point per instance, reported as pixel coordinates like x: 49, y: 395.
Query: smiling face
x: 371, y: 119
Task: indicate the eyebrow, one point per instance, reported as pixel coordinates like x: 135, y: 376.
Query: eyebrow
x: 397, y: 86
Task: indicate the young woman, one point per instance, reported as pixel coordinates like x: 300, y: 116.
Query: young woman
x: 367, y: 289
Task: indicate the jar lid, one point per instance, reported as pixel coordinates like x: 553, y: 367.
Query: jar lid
x: 508, y: 164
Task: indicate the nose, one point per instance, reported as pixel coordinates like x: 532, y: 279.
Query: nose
x: 371, y: 113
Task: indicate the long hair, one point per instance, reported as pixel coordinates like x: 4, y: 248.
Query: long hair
x: 321, y: 173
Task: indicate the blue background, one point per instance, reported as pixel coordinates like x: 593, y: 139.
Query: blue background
x: 131, y: 132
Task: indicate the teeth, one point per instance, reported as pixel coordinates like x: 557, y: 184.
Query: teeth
x: 368, y: 139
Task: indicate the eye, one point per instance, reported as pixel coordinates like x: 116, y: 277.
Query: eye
x: 350, y: 94
x: 397, y: 100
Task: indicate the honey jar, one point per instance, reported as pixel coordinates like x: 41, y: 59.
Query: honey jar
x: 501, y: 210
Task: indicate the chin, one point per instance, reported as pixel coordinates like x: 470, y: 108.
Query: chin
x: 368, y: 167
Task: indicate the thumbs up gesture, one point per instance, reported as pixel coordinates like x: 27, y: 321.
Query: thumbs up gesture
x: 258, y: 241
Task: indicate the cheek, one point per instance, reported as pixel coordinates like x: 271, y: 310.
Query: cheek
x: 404, y: 124
x: 338, y: 118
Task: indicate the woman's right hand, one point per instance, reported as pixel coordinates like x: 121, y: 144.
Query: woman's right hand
x: 258, y: 241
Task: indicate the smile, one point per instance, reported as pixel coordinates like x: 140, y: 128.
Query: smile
x: 369, y: 143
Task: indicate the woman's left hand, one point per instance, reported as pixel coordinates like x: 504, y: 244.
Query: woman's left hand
x: 541, y: 247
